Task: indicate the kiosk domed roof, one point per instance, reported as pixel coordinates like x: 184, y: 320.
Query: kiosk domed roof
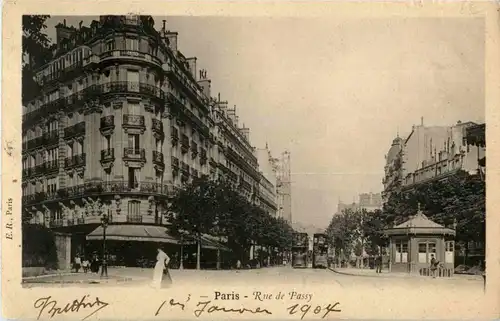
x: 419, y: 224
x: 420, y: 220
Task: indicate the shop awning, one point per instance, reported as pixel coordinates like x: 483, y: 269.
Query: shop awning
x: 139, y: 233
x: 209, y: 242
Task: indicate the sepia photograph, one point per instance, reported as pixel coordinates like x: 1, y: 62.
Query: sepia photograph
x: 174, y: 152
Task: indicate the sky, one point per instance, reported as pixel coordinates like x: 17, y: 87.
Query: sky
x: 335, y: 93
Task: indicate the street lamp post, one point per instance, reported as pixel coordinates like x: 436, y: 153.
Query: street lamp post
x: 104, y: 224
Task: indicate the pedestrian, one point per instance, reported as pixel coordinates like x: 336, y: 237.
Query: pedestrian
x: 161, y: 270
x: 104, y: 265
x: 238, y: 264
x: 85, y: 265
x: 379, y: 263
x: 78, y: 263
x: 434, y: 265
x: 94, y: 267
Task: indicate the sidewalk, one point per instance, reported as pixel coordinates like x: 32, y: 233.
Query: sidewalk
x: 76, y: 278
x: 121, y: 275
x: 387, y: 274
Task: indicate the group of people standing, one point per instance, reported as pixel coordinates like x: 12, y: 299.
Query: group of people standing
x: 92, y: 265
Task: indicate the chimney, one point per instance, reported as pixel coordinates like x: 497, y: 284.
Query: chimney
x: 63, y: 32
x: 245, y: 132
x: 172, y: 40
x: 192, y: 66
x: 205, y: 85
x: 421, y: 121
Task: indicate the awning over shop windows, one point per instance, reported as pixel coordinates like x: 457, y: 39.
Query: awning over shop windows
x: 208, y: 242
x: 138, y: 233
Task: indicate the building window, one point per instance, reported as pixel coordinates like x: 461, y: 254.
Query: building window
x: 134, y: 209
x: 133, y: 143
x: 110, y: 45
x: 132, y: 44
x: 425, y: 250
x: 133, y: 178
x: 401, y: 252
x: 133, y: 80
x: 158, y: 145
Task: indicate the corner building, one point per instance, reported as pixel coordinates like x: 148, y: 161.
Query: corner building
x: 121, y: 120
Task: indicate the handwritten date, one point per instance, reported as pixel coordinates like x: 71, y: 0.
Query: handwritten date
x: 306, y: 308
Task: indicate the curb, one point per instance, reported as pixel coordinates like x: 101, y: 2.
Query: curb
x: 388, y: 276
x: 90, y: 281
x: 46, y: 276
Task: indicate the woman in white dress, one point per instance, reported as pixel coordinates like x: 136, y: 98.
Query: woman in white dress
x: 162, y: 261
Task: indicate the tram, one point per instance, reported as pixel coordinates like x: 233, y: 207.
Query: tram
x: 320, y: 251
x: 300, y: 248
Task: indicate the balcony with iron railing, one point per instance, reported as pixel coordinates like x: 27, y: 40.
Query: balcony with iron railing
x: 174, y: 134
x: 134, y: 154
x: 75, y: 161
x: 56, y: 222
x: 131, y: 55
x: 203, y: 156
x: 99, y: 188
x: 60, y: 75
x: 175, y: 162
x: 33, y: 144
x: 51, y: 166
x: 75, y: 130
x: 134, y: 121
x: 107, y: 155
x: 158, y: 159
x: 157, y: 128
x: 107, y: 124
x: 194, y: 149
x: 184, y: 143
x: 27, y: 172
x: 50, y: 138
x: 185, y: 168
x: 133, y: 87
x: 182, y: 77
x: 180, y: 110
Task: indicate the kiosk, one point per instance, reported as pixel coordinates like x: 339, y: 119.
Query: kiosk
x: 413, y: 243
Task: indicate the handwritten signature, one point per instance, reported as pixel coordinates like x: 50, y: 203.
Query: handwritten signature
x: 51, y: 306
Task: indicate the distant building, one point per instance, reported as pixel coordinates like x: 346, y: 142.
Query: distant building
x: 430, y: 152
x: 367, y: 201
x: 284, y: 186
x: 268, y: 181
x: 370, y: 201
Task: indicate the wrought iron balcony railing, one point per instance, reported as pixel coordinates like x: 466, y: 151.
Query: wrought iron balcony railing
x: 175, y: 162
x: 203, y: 156
x: 134, y: 121
x: 185, y: 168
x: 157, y: 128
x: 75, y: 161
x: 194, y: 149
x: 107, y: 122
x: 108, y: 155
x: 131, y: 153
x: 75, y: 130
x: 158, y: 158
x: 184, y: 143
x: 50, y: 138
x: 174, y: 134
